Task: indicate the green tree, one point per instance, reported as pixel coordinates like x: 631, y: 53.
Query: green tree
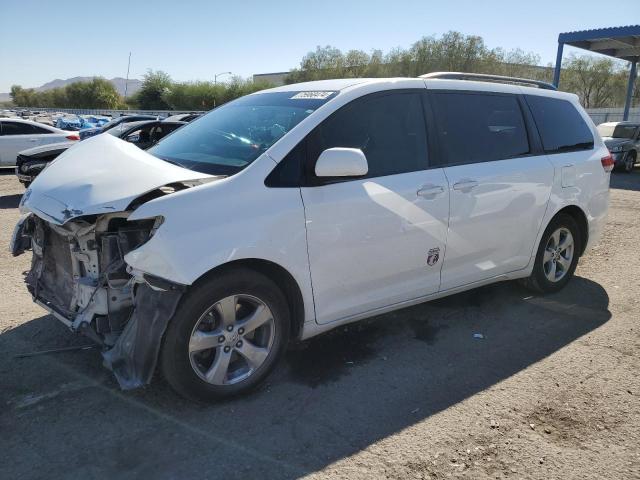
x: 97, y: 93
x: 207, y: 95
x: 592, y: 78
x: 155, y: 86
x: 22, y: 97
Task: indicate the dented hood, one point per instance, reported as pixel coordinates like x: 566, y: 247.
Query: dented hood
x: 99, y: 175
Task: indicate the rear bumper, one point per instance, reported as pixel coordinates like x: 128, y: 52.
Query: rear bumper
x: 619, y: 158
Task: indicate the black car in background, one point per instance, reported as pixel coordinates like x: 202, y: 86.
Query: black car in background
x: 143, y: 134
x: 90, y: 132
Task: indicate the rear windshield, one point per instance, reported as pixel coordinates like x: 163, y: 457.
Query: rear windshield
x: 617, y: 131
x: 561, y: 127
x: 230, y: 137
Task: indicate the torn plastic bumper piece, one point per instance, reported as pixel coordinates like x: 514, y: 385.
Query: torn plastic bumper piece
x: 134, y: 356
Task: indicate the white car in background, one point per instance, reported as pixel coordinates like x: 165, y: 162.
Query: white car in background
x: 17, y: 135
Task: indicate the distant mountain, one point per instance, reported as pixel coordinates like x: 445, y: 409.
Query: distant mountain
x: 118, y: 82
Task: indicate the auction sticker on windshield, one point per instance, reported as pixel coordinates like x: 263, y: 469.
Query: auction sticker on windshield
x: 312, y: 95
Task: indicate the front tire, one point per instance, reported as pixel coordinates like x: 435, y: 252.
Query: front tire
x: 226, y: 336
x: 557, y: 256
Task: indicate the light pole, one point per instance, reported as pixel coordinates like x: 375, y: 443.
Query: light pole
x: 215, y: 77
x: 126, y: 82
x: 215, y: 82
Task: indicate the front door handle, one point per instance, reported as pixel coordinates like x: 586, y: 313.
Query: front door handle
x: 465, y: 185
x: 430, y: 191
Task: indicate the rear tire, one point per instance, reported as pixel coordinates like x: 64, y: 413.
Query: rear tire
x: 630, y: 162
x: 557, y: 255
x: 226, y: 336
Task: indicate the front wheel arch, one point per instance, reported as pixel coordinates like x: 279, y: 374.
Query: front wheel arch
x: 280, y: 276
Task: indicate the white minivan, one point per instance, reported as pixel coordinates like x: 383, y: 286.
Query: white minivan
x: 294, y: 210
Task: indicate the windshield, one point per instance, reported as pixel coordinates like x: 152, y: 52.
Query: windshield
x: 617, y: 131
x: 230, y: 137
x: 112, y: 123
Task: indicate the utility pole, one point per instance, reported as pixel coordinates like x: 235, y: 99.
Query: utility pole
x: 126, y: 82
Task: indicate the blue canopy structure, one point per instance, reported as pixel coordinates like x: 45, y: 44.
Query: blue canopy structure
x: 618, y: 42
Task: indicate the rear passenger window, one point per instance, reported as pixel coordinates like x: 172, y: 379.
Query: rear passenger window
x: 389, y: 129
x: 40, y: 130
x: 561, y: 127
x: 17, y: 128
x: 479, y: 127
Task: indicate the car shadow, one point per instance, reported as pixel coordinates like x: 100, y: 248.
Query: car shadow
x: 10, y: 201
x: 626, y: 181
x: 331, y: 397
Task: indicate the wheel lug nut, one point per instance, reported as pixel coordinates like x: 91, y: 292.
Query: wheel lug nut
x: 226, y: 349
x: 239, y: 344
x: 241, y: 331
x: 221, y: 339
x: 229, y: 328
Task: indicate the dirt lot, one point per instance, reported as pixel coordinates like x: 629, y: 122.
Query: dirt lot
x: 551, y: 392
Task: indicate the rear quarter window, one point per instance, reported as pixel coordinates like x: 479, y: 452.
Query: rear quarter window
x: 476, y: 127
x: 561, y: 127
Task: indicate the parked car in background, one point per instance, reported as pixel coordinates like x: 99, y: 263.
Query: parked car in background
x: 17, y: 135
x: 32, y: 161
x: 90, y: 132
x: 147, y: 133
x: 199, y: 255
x: 143, y: 134
x: 623, y: 141
x: 184, y: 117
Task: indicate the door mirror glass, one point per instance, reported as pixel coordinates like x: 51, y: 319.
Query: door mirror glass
x: 342, y: 162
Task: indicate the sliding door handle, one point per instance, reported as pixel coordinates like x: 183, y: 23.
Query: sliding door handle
x: 465, y: 185
x: 430, y: 191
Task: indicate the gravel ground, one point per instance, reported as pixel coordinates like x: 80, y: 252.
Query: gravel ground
x: 550, y: 392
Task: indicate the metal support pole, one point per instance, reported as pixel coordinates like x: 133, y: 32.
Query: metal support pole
x: 126, y: 82
x: 627, y: 102
x: 556, y: 72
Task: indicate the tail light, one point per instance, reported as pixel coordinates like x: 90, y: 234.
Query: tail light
x: 607, y: 163
x: 73, y: 136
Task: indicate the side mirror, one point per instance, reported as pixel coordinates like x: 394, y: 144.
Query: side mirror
x: 342, y: 162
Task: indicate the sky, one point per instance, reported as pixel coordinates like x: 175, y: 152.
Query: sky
x: 41, y: 40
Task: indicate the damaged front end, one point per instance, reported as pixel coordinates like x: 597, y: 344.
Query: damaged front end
x: 76, y: 223
x: 78, y: 273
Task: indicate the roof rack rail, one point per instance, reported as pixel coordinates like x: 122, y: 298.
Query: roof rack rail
x: 488, y: 78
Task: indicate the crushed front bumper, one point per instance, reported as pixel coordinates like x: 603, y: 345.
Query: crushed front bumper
x: 78, y: 274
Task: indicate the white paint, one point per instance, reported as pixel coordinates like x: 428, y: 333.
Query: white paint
x: 355, y: 248
x: 102, y: 174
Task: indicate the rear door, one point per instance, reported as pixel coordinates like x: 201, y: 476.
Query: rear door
x: 44, y: 136
x: 15, y: 137
x: 499, y: 179
x: 378, y: 240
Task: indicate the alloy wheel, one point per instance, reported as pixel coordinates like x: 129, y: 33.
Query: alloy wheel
x: 231, y: 339
x: 558, y: 254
